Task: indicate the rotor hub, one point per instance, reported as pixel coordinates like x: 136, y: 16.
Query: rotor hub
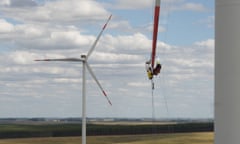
x: 83, y: 56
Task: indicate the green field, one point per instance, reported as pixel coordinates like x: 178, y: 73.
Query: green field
x: 177, y: 138
x: 8, y: 131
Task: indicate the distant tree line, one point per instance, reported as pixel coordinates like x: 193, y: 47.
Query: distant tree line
x: 61, y: 130
x: 148, y: 129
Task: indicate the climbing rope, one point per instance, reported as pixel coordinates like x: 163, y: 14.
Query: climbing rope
x: 153, y: 106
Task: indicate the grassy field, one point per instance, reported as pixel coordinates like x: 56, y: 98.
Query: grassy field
x: 178, y: 138
x: 63, y: 130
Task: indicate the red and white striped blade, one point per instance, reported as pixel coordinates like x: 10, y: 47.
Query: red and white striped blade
x: 62, y: 59
x: 98, y: 83
x: 98, y: 37
x: 155, y: 31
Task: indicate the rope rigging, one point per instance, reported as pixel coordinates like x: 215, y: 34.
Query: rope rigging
x: 151, y: 69
x: 153, y: 106
x: 153, y: 65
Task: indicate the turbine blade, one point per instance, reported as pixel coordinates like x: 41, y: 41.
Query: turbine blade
x: 95, y: 78
x: 155, y: 30
x: 97, y: 39
x: 62, y: 59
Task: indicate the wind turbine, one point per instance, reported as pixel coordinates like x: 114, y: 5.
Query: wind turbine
x: 84, y: 60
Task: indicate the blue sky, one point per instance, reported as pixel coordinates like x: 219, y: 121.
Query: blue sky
x: 35, y: 29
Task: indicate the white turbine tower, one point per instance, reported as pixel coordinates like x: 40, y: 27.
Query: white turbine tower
x: 85, y: 65
x: 227, y: 70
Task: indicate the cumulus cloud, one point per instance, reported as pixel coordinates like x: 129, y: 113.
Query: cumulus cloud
x: 138, y: 84
x: 168, y: 5
x: 75, y: 9
x: 67, y: 40
x: 22, y: 3
x: 55, y: 29
x: 66, y: 80
x: 5, y: 27
x: 210, y: 43
x: 43, y: 37
x: 126, y: 4
x: 192, y: 7
x: 193, y: 62
x: 57, y: 11
x: 116, y: 58
x: 122, y: 26
x: 22, y: 57
x: 182, y: 5
x: 5, y: 2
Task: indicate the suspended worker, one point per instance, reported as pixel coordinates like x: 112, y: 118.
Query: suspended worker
x: 153, y: 71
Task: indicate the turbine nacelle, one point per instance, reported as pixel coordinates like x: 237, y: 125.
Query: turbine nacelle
x: 83, y: 56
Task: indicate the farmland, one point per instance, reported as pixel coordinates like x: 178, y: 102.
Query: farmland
x: 61, y: 130
x: 111, y: 132
x: 177, y: 138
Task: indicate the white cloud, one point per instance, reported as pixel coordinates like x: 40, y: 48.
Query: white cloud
x: 22, y: 3
x: 57, y: 69
x: 22, y: 57
x: 172, y: 4
x: 60, y: 11
x: 122, y: 26
x: 30, y: 31
x: 181, y: 5
x: 138, y: 84
x: 210, y: 43
x: 57, y: 29
x: 192, y: 7
x: 70, y: 38
x: 4, y: 2
x: 67, y: 80
x: 131, y: 43
x: 129, y: 4
x: 20, y: 32
x: 160, y: 28
x: 75, y: 9
x: 5, y: 27
x: 43, y: 37
x: 115, y: 57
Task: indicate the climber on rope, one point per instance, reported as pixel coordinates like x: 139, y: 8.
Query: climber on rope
x: 153, y: 71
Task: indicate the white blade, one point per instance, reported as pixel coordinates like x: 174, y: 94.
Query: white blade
x: 63, y: 59
x: 94, y: 77
x: 99, y: 35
